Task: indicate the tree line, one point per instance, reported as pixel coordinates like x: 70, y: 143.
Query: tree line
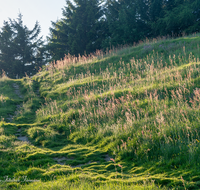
x: 88, y: 25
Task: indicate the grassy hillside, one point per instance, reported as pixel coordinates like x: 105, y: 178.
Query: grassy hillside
x: 127, y: 119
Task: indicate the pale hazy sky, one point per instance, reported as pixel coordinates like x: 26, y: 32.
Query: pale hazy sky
x: 43, y: 11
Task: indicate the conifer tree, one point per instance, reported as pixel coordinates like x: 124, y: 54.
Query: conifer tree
x: 25, y: 48
x: 80, y: 30
x: 122, y: 22
x: 195, y: 5
x: 179, y: 17
x: 155, y: 11
x: 7, y: 49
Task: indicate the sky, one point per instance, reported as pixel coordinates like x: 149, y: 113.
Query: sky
x: 43, y: 11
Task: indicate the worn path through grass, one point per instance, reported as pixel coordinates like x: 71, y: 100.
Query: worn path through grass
x: 129, y: 120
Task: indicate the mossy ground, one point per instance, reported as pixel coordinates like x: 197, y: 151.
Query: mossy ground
x: 125, y: 120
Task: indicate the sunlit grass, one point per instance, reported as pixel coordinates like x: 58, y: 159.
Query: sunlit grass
x: 125, y: 119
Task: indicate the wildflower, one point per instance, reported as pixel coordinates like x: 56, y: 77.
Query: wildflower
x: 112, y: 159
x: 120, y: 165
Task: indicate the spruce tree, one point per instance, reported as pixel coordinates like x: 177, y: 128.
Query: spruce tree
x: 79, y: 31
x: 7, y: 49
x: 25, y: 48
x: 122, y: 22
x: 155, y: 11
x: 57, y: 41
x: 179, y: 17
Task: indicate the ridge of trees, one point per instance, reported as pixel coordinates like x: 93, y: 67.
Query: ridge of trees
x: 88, y: 25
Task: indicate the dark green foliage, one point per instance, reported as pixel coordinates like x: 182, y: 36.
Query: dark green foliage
x: 79, y: 32
x: 91, y: 24
x: 122, y: 22
x: 21, y: 49
x: 177, y: 17
x: 6, y: 49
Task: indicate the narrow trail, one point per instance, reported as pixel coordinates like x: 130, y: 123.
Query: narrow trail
x: 60, y: 160
x: 63, y: 160
x: 18, y: 93
x: 10, y: 117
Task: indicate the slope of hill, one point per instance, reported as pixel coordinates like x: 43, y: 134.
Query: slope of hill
x: 128, y: 119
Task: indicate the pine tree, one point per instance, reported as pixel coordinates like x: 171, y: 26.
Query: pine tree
x: 7, y: 49
x: 57, y: 41
x: 179, y: 17
x: 195, y: 7
x: 128, y: 20
x: 145, y: 20
x: 79, y: 32
x: 122, y: 22
x: 155, y: 11
x: 25, y: 48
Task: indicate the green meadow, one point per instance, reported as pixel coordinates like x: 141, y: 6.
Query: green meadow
x: 128, y: 118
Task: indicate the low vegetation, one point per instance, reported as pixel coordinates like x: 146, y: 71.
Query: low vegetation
x: 127, y: 119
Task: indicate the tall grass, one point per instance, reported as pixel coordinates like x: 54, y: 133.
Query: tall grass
x: 146, y: 104
x: 149, y: 105
x: 140, y: 104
